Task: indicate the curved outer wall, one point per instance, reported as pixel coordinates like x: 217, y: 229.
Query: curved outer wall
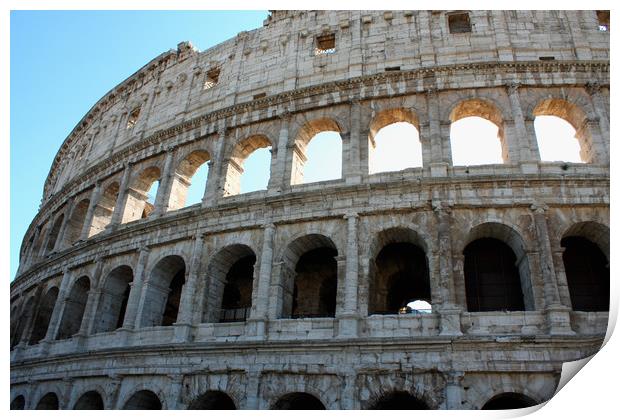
x: 271, y: 86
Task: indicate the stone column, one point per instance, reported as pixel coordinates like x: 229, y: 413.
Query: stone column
x: 174, y: 394
x: 560, y: 273
x: 260, y: 301
x: 277, y: 181
x: 597, y: 151
x: 558, y: 319
x: 449, y: 310
x: 524, y: 144
x: 121, y: 200
x: 163, y: 192
x: 454, y: 388
x: 351, y: 164
x: 59, y: 307
x: 94, y: 294
x: 598, y: 103
x: 88, y: 219
x: 214, y: 181
x: 135, y: 293
x: 252, y: 389
x: 348, y: 316
x: 438, y: 165
x: 183, y: 324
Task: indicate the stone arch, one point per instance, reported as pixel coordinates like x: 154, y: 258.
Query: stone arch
x: 163, y: 292
x: 309, y: 277
x: 18, y: 403
x: 25, y: 318
x: 586, y: 265
x: 385, y: 118
x: 491, y: 238
x: 397, y: 255
x: 509, y: 401
x: 302, y: 138
x: 182, y: 179
x: 228, y: 296
x: 102, y: 216
x: 239, y: 153
x: 76, y: 222
x: 74, y: 307
x: 49, y: 401
x: 212, y: 400
x: 298, y: 401
x: 143, y: 400
x: 136, y: 205
x: 486, y: 109
x: 53, y: 235
x: 113, y: 300
x: 90, y: 400
x: 44, y: 315
x: 398, y: 400
x: 576, y: 117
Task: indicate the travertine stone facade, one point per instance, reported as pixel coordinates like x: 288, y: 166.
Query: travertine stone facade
x: 123, y: 297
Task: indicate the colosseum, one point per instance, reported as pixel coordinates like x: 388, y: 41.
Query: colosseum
x: 294, y: 297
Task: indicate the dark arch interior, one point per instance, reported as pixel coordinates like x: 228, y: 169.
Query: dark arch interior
x: 298, y: 401
x: 42, y: 320
x: 163, y: 292
x: 587, y: 274
x: 48, y: 402
x: 18, y: 403
x: 143, y: 400
x: 315, y: 286
x: 509, y: 401
x: 74, y: 309
x: 237, y: 299
x: 401, y: 276
x: 213, y: 400
x: 113, y: 301
x: 492, y: 280
x: 399, y: 400
x: 91, y: 400
x: 174, y: 298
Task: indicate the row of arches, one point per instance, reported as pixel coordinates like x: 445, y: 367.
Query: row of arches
x: 393, y: 145
x: 218, y: 400
x: 496, y: 278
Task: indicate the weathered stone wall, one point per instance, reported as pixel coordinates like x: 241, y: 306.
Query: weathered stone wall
x: 89, y: 224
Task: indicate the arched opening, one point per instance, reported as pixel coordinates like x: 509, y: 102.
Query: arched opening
x: 561, y: 132
x: 102, y: 215
x: 248, y: 166
x: 229, y: 293
x: 42, y: 320
x: 492, y: 280
x: 399, y: 272
x: 587, y: 274
x: 213, y: 400
x: 113, y: 300
x: 90, y: 400
x: 310, y: 278
x: 163, y: 292
x: 18, y: 403
x: 189, y: 180
x: 317, y: 155
x: 476, y: 134
x: 398, y: 400
x: 141, y: 195
x: 74, y: 309
x: 143, y: 400
x: 298, y: 401
x: 22, y: 321
x: 76, y: 222
x: 53, y: 237
x: 48, y: 402
x: 509, y: 401
x: 394, y: 141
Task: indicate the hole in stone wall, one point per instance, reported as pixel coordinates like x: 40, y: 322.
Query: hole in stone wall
x: 90, y: 400
x: 459, y: 23
x: 324, y: 158
x: 248, y: 167
x: 556, y: 139
x: 53, y: 237
x: 212, y: 400
x: 509, y: 401
x: 143, y: 400
x: 212, y: 77
x: 475, y: 141
x: 189, y: 180
x: 48, y: 402
x: 325, y: 44
x: 113, y: 300
x: 315, y: 284
x: 132, y: 118
x: 74, y: 309
x: 298, y: 401
x: 102, y: 215
x: 237, y: 298
x: 603, y: 20
x: 397, y: 147
x: 398, y: 400
x: 18, y: 403
x: 44, y: 314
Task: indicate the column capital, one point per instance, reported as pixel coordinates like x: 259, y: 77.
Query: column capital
x: 539, y: 207
x: 593, y: 87
x: 431, y: 92
x: 351, y: 215
x: 442, y: 206
x: 285, y: 115
x: 268, y: 225
x: 144, y: 249
x: 513, y: 87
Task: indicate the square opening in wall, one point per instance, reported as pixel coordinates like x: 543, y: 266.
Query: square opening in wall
x: 603, y: 20
x: 132, y: 119
x: 459, y: 23
x: 212, y: 77
x: 325, y: 44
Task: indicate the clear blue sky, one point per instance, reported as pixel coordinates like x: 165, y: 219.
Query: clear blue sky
x: 62, y: 62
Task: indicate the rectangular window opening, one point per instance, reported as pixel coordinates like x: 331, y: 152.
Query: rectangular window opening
x: 546, y: 58
x: 459, y: 23
x: 132, y: 119
x: 603, y: 20
x: 213, y: 76
x: 394, y: 68
x: 259, y: 95
x: 325, y: 44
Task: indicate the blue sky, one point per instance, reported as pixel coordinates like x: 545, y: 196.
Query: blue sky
x: 62, y: 62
